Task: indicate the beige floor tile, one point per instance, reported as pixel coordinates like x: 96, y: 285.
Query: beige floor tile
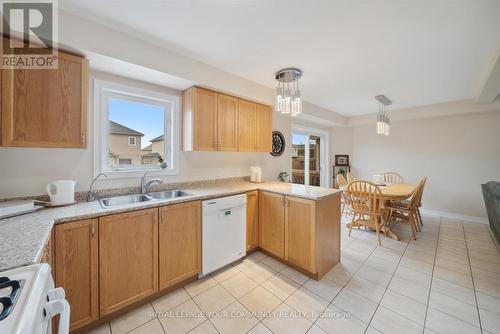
x: 260, y: 329
x: 359, y: 306
x: 349, y: 265
x: 389, y: 322
x: 258, y: 256
x: 274, y: 264
x: 414, y: 290
x: 102, y: 329
x: 490, y: 321
x: 234, y: 319
x: 366, y: 288
x: 152, y: 327
x: 324, y: 288
x: 417, y: 265
x: 488, y: 303
x: 225, y: 273
x: 199, y: 286
x: 453, y: 277
x: 260, y: 301
x: 453, y: 290
x: 454, y: 307
x: 239, y: 285
x: 452, y: 265
x: 213, y: 300
x: 374, y: 275
x: 294, y: 275
x: 280, y: 286
x: 404, y: 306
x: 204, y: 328
x: 285, y: 320
x: 336, y: 320
x: 182, y: 318
x: 443, y: 323
x: 382, y: 265
x: 245, y: 263
x: 413, y: 275
x: 307, y: 302
x: 316, y: 330
x: 133, y: 319
x: 170, y: 300
x: 371, y: 330
x: 339, y: 276
x: 259, y: 273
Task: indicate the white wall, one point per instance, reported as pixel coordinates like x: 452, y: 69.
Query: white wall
x: 456, y: 153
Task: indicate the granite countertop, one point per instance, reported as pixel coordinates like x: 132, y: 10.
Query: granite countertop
x: 23, y: 238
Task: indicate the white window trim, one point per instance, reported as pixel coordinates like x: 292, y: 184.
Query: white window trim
x: 135, y: 141
x: 102, y: 91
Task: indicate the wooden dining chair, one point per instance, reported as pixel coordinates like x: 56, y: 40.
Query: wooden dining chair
x: 366, y: 202
x: 420, y: 223
x: 346, y: 204
x: 407, y: 211
x: 392, y: 177
x: 350, y: 177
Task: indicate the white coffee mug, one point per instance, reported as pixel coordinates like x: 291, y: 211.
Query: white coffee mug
x: 61, y: 192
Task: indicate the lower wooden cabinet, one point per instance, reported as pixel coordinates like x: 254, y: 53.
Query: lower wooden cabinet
x: 272, y: 223
x: 128, y: 258
x: 76, y: 268
x: 252, y: 220
x: 179, y: 242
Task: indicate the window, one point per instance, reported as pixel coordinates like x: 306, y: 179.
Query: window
x: 136, y: 130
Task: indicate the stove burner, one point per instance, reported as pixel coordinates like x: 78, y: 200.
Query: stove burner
x: 8, y: 301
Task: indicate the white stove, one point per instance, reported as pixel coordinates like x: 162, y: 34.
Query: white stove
x: 28, y: 301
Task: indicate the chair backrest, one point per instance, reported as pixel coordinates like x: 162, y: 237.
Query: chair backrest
x: 350, y: 177
x: 392, y: 177
x: 365, y: 197
x: 415, y: 200
x: 341, y: 181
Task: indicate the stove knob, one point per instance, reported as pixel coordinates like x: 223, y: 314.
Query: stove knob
x: 54, y: 294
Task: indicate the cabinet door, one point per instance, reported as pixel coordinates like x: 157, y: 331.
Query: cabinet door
x: 46, y: 108
x: 299, y: 232
x: 264, y: 128
x: 204, y: 108
x: 128, y: 258
x: 179, y: 242
x: 76, y: 268
x: 252, y: 220
x: 272, y: 223
x: 227, y: 123
x: 247, y: 126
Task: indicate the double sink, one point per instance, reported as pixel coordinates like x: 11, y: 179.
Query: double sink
x: 140, y: 198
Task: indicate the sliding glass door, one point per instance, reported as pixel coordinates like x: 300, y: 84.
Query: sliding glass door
x: 309, y: 157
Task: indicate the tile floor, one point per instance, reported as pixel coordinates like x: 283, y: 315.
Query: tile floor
x: 447, y: 281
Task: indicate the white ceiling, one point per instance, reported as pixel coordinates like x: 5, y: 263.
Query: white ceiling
x: 416, y: 53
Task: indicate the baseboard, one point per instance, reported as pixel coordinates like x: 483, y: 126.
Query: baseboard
x: 451, y: 215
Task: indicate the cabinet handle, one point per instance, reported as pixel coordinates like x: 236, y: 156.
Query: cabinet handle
x: 93, y: 229
x: 83, y: 138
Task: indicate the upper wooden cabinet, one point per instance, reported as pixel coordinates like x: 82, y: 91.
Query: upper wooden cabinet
x: 128, y: 258
x: 218, y: 122
x: 227, y: 123
x: 179, y: 242
x: 45, y: 108
x: 76, y: 268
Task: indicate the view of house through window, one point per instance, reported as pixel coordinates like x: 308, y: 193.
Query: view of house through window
x: 136, y: 134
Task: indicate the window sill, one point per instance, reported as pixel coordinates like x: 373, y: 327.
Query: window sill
x: 136, y: 173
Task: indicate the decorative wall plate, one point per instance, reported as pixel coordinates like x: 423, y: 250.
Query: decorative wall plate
x: 278, y: 144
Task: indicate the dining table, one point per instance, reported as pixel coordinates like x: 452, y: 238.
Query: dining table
x: 391, y: 192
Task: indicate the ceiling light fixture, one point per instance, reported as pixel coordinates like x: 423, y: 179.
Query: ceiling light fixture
x: 288, y: 100
x: 383, y: 120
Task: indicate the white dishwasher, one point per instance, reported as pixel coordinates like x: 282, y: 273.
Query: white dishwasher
x: 223, y: 232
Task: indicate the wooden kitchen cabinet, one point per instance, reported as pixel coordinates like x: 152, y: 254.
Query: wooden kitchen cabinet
x: 299, y: 232
x: 76, y: 268
x: 272, y: 223
x: 199, y: 109
x: 179, y: 242
x: 128, y: 258
x: 252, y: 220
x: 47, y: 107
x: 264, y: 125
x: 227, y: 123
x: 247, y: 126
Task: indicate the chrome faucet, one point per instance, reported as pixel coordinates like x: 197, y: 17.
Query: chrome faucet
x: 91, y: 195
x: 146, y: 185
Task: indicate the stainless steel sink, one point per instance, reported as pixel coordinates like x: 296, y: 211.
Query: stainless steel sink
x: 168, y: 194
x: 123, y: 200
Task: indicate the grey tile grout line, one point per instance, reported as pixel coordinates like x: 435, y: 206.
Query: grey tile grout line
x: 432, y: 273
x: 387, y: 287
x: 472, y: 278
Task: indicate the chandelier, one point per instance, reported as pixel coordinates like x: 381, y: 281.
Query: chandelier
x: 383, y: 120
x: 288, y: 100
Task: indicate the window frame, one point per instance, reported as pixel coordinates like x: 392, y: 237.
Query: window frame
x: 135, y: 141
x: 103, y: 91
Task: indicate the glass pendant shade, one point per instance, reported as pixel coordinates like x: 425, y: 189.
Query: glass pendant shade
x: 288, y: 100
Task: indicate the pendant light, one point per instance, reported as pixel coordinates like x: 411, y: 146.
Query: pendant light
x: 383, y: 119
x: 288, y: 98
